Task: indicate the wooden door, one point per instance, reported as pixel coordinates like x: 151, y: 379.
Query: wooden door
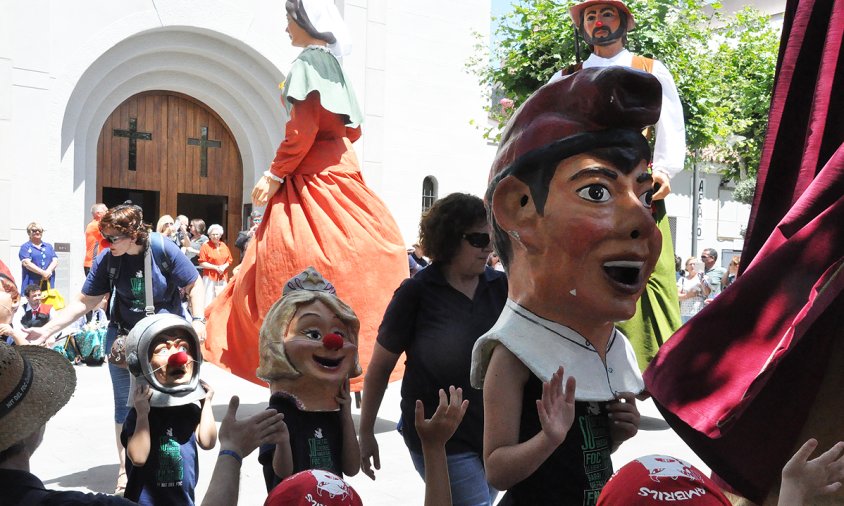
x: 170, y: 143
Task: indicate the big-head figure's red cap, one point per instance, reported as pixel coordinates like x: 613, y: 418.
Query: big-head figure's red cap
x: 576, y: 11
x: 314, y: 486
x: 592, y: 108
x: 656, y: 480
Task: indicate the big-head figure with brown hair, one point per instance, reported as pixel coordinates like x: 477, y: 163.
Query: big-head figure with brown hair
x: 308, y: 351
x: 569, y: 201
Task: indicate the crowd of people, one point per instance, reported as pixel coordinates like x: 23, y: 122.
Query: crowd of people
x: 699, y: 281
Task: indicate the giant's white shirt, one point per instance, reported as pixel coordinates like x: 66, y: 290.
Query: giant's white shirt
x: 670, y: 146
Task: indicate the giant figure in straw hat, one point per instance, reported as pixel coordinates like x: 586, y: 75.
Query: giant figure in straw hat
x: 569, y: 201
x: 604, y: 25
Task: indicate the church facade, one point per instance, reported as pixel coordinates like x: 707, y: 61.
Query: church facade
x: 175, y: 105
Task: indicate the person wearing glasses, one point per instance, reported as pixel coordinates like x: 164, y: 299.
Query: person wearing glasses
x: 38, y: 258
x: 716, y: 276
x: 435, y: 318
x: 121, y: 268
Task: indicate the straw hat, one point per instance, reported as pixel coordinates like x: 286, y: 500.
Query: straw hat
x: 35, y: 383
x: 576, y: 11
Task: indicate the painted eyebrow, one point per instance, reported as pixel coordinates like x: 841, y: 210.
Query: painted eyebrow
x: 594, y: 171
x: 599, y: 11
x: 335, y: 317
x: 645, y: 176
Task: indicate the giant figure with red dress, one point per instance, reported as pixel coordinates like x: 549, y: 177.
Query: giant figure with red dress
x: 319, y: 213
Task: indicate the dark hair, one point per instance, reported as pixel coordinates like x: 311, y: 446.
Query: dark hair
x: 32, y: 287
x: 15, y: 449
x: 297, y: 12
x: 198, y: 225
x: 711, y: 252
x: 442, y: 226
x: 128, y: 220
x: 537, y: 168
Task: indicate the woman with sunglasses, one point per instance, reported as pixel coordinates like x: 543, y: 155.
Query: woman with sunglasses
x: 435, y: 318
x: 38, y: 258
x: 121, y: 269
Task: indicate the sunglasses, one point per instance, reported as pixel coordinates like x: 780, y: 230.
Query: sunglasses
x: 477, y: 239
x: 111, y: 239
x: 36, y: 231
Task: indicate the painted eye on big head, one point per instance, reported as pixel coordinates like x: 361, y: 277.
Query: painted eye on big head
x: 594, y: 193
x: 312, y: 334
x: 647, y: 198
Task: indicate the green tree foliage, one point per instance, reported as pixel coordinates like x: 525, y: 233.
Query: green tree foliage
x: 723, y: 68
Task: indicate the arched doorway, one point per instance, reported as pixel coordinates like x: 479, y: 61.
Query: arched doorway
x: 171, y: 154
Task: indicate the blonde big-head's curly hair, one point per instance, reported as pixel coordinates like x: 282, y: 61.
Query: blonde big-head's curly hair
x: 273, y: 363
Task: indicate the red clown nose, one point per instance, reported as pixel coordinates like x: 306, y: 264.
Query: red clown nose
x: 178, y: 359
x: 332, y: 342
x: 598, y: 24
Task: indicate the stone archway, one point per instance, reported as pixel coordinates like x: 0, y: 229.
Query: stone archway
x: 175, y: 155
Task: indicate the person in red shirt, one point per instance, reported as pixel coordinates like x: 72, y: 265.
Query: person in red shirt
x: 215, y: 259
x: 94, y: 242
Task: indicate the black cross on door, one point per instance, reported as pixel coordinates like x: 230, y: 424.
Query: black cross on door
x: 204, y: 144
x: 133, y: 134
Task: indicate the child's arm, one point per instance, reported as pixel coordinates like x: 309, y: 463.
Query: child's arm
x: 351, y: 451
x: 206, y: 431
x: 283, y: 454
x: 624, y: 419
x: 137, y: 448
x: 507, y: 461
x: 803, y: 479
x: 434, y: 433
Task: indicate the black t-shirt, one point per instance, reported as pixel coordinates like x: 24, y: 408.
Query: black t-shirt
x: 170, y: 473
x: 578, y: 469
x: 437, y: 326
x: 21, y: 487
x: 316, y: 440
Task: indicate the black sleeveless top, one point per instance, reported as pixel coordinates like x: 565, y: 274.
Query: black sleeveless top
x: 578, y: 469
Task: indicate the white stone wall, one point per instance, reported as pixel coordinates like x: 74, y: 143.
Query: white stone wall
x: 419, y: 100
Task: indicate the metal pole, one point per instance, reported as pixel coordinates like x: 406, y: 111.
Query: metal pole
x: 695, y: 204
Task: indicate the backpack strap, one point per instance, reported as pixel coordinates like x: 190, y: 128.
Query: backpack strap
x: 642, y: 63
x: 113, y: 272
x: 159, y: 254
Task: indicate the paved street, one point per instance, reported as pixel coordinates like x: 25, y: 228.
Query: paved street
x: 79, y: 453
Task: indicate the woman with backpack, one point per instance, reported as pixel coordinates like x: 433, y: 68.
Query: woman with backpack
x: 121, y: 270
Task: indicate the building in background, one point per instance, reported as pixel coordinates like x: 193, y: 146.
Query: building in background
x: 175, y: 104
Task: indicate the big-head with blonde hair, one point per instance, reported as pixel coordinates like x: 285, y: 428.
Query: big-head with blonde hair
x: 308, y: 343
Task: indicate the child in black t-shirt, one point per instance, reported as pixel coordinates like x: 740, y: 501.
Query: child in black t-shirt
x: 308, y: 352
x: 171, y: 414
